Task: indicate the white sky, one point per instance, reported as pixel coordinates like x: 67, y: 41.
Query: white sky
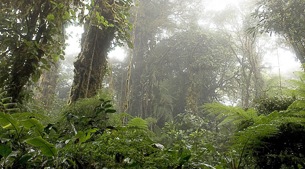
x: 282, y: 59
x: 73, y: 44
x: 73, y: 41
x: 218, y: 5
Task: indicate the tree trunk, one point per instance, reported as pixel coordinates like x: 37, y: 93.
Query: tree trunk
x: 47, y: 84
x: 91, y: 64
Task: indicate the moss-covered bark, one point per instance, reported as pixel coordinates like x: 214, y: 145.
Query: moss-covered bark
x: 91, y: 63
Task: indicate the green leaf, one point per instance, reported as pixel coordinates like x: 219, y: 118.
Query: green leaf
x: 66, y: 16
x: 138, y: 123
x: 8, y: 122
x: 106, y: 102
x: 185, y: 156
x: 25, y: 158
x: 6, y: 99
x: 84, y: 136
x: 51, y: 17
x: 46, y: 148
x: 36, y: 76
x: 34, y: 124
x: 110, y: 111
x: 5, y: 150
x: 108, y: 105
x: 27, y: 115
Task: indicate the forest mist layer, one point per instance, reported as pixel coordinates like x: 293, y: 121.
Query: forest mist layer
x: 152, y: 84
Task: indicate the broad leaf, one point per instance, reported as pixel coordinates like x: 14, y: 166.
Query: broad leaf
x: 8, y: 122
x: 5, y: 150
x: 25, y: 158
x: 46, y: 148
x: 33, y: 124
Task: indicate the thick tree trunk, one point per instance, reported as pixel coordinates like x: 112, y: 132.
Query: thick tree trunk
x: 21, y: 72
x: 91, y: 64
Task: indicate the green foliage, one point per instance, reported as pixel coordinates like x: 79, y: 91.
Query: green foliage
x: 228, y: 115
x: 5, y: 150
x: 115, y: 16
x: 19, y: 136
x: 138, y: 123
x: 285, y: 18
x: 27, y: 46
x: 196, y: 141
x: 88, y: 113
x: 267, y: 105
x: 46, y: 148
x: 6, y: 103
x: 8, y: 122
x: 284, y: 149
x: 279, y: 123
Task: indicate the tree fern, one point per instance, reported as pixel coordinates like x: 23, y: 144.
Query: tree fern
x: 229, y: 115
x: 252, y: 138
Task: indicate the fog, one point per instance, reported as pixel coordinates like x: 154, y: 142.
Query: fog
x: 170, y: 84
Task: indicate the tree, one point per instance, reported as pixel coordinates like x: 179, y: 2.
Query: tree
x: 31, y: 39
x: 155, y: 21
x: 286, y: 18
x: 107, y: 21
x: 47, y: 86
x: 151, y: 18
x: 196, y: 65
x: 234, y: 23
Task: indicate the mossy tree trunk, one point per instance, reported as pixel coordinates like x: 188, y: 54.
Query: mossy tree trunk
x: 31, y: 40
x: 91, y: 63
x: 107, y: 21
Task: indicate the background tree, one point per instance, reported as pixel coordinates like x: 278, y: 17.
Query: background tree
x: 190, y: 68
x: 47, y: 85
x: 151, y: 18
x: 107, y: 20
x: 234, y: 22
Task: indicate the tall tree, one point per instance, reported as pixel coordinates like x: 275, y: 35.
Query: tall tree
x: 197, y: 65
x: 234, y: 23
x: 152, y: 16
x: 31, y: 39
x: 107, y: 21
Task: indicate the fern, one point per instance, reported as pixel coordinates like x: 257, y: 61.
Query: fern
x: 6, y: 103
x: 228, y: 115
x: 138, y: 123
x: 249, y: 138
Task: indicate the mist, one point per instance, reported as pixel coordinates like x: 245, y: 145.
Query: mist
x: 152, y: 84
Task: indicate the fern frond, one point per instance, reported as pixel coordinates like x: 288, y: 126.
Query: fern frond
x: 229, y: 114
x: 138, y: 123
x: 251, y: 137
x: 6, y: 103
